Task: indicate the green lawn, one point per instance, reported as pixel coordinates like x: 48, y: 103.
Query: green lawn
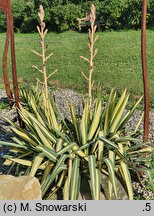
x: 118, y: 62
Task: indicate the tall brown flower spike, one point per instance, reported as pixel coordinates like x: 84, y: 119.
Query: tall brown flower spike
x: 93, y: 52
x: 42, y: 32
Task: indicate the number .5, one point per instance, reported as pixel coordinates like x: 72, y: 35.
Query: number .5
x: 148, y: 206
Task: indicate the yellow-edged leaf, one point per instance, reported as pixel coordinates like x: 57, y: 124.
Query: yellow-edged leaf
x: 119, y: 104
x: 119, y: 114
x: 36, y: 164
x: 74, y: 120
x: 95, y: 122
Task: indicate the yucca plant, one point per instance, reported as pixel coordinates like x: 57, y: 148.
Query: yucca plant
x: 63, y: 153
x: 45, y: 150
x: 113, y: 149
x: 30, y: 93
x: 41, y: 147
x: 113, y: 124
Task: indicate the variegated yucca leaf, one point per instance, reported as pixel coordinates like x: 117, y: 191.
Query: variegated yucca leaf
x: 83, y: 128
x: 26, y: 137
x: 111, y: 145
x: 112, y: 158
x: 79, y: 152
x: 86, y: 127
x: 100, y: 150
x: 67, y: 148
x: 74, y: 120
x: 59, y: 167
x: 146, y: 150
x: 66, y: 190
x: 50, y: 154
x: 108, y: 113
x: 126, y: 173
x: 35, y: 125
x: 59, y: 144
x: 50, y: 165
x: 75, y: 180
x: 138, y: 146
x: 54, y: 190
x: 14, y: 145
x: 129, y: 114
x: 36, y: 164
x: 95, y: 122
x: 36, y: 111
x: 118, y: 113
x: 112, y: 178
x: 94, y: 178
x: 127, y: 179
x: 23, y: 162
x: 52, y: 117
x: 113, y: 116
x: 119, y: 105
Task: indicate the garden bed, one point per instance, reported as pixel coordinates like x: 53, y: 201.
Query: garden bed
x: 63, y: 98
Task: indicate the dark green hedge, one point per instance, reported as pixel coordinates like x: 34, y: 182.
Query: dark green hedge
x: 61, y: 15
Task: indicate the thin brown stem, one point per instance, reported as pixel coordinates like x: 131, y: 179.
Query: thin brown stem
x: 44, y: 63
x: 4, y: 66
x: 145, y: 73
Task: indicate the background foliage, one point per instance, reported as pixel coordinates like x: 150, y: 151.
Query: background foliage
x: 61, y: 15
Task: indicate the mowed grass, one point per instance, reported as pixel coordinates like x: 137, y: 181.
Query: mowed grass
x: 118, y: 62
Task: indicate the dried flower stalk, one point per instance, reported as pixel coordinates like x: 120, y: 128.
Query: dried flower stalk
x: 93, y: 52
x: 42, y: 33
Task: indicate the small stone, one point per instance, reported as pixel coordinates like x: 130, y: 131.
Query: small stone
x: 122, y: 195
x: 19, y: 188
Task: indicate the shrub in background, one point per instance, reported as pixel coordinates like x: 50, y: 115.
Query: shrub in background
x: 111, y: 13
x: 131, y: 16
x: 150, y: 14
x: 61, y: 15
x: 65, y: 17
x: 24, y: 15
x: 18, y: 8
x: 30, y: 19
x: 2, y: 22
